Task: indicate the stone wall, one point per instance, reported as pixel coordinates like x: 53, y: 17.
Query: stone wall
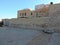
x: 54, y: 14
x: 35, y: 23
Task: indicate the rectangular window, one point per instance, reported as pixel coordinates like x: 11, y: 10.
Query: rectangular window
x: 20, y: 14
x: 31, y: 13
x: 25, y: 14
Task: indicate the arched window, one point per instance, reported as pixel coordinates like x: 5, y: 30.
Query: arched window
x: 31, y: 13
x: 25, y: 14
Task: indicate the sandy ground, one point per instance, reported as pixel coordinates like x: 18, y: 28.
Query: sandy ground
x: 42, y: 39
x: 46, y: 39
x: 14, y: 36
x: 55, y: 40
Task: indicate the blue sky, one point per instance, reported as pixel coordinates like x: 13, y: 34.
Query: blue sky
x: 9, y: 8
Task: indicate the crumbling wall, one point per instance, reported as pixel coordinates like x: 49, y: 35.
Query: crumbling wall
x: 34, y: 23
x: 54, y: 14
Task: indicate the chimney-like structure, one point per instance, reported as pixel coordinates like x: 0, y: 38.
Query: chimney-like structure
x: 51, y: 3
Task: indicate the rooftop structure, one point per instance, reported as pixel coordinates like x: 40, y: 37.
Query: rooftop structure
x: 40, y: 10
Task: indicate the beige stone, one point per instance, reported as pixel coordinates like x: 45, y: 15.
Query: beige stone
x: 42, y: 39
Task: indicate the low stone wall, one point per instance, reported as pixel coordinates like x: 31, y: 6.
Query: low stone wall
x: 27, y: 23
x: 26, y: 26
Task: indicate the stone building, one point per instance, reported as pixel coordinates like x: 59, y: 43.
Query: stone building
x: 54, y: 13
x: 36, y: 18
x: 38, y: 12
x: 25, y: 13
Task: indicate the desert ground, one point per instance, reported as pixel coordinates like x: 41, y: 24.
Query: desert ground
x: 16, y: 36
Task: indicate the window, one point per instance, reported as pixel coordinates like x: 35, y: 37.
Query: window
x: 31, y: 13
x: 25, y: 14
x: 36, y: 13
x: 20, y: 14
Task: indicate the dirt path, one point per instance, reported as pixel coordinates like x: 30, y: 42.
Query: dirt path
x: 42, y: 39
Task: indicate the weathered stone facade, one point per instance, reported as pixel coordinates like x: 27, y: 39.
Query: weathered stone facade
x: 27, y: 13
x: 54, y: 14
x: 45, y: 17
